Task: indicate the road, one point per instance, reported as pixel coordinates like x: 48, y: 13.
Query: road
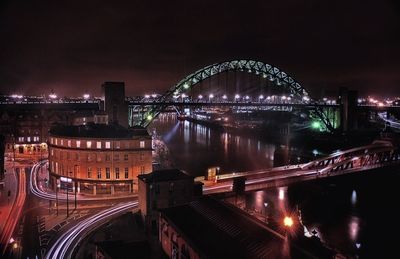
x: 15, y: 213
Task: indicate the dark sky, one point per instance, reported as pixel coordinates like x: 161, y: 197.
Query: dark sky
x: 73, y: 46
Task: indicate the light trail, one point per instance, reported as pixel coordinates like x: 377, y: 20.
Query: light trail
x: 15, y: 212
x: 65, y: 245
x: 36, y: 190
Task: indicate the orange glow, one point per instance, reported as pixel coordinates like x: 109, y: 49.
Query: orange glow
x: 15, y: 245
x: 288, y: 221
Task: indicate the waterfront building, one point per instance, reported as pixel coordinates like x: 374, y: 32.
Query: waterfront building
x: 99, y: 158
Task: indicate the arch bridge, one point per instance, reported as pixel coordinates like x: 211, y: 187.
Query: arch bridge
x: 177, y: 95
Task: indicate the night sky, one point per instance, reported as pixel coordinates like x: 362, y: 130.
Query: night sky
x: 73, y: 46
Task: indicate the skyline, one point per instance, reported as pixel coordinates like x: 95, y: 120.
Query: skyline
x: 74, y: 47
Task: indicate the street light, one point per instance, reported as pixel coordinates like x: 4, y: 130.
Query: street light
x: 237, y: 96
x: 224, y: 97
x: 265, y: 212
x: 86, y: 96
x: 200, y: 97
x: 210, y: 97
x: 288, y: 222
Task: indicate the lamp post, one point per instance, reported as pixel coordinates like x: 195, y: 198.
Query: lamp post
x: 265, y: 212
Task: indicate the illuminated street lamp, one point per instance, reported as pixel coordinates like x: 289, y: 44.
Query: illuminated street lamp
x: 237, y: 96
x: 224, y: 97
x: 146, y: 96
x: 52, y: 96
x: 200, y: 97
x: 86, y: 96
x: 247, y: 97
x: 265, y: 212
x: 154, y: 95
x: 261, y: 97
x: 288, y: 222
x: 210, y: 97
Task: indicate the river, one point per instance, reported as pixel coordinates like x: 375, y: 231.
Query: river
x: 354, y: 214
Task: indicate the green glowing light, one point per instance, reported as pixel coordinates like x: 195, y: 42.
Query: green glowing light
x: 186, y: 86
x: 149, y: 117
x: 316, y: 125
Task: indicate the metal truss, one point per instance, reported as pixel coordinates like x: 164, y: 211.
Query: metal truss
x: 274, y: 74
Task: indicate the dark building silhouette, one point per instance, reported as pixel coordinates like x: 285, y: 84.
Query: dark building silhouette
x: 348, y: 114
x: 114, y: 103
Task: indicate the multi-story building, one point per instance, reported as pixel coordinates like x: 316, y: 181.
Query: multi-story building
x: 99, y: 158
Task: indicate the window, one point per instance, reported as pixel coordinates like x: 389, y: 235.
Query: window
x: 142, y: 169
x: 21, y: 139
x: 98, y: 144
x: 89, y: 172
x: 89, y: 144
x: 108, y: 145
x: 98, y: 172
x: 28, y: 139
x: 107, y: 157
x: 35, y: 139
x: 56, y: 141
x: 126, y: 172
x: 142, y: 144
x: 78, y: 143
x: 107, y: 173
x: 62, y: 142
x: 52, y: 152
x: 116, y: 157
x: 117, y: 173
x: 69, y: 143
x: 51, y: 141
x: 126, y: 157
x: 117, y: 144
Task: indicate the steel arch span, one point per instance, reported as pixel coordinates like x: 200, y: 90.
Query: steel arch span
x: 261, y: 69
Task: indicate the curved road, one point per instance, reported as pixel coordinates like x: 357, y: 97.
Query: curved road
x: 65, y: 245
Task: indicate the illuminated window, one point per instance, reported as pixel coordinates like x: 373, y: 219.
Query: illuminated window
x: 142, y: 144
x: 126, y: 172
x: 36, y: 139
x: 21, y: 139
x: 88, y: 144
x: 56, y: 141
x: 116, y: 173
x: 51, y: 140
x: 89, y: 172
x: 107, y: 173
x: 62, y: 142
x: 98, y: 144
x: 52, y: 152
x: 78, y: 143
x: 69, y: 143
x: 108, y: 144
x: 28, y: 139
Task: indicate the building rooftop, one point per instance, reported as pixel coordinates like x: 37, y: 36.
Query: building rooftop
x: 92, y: 130
x: 216, y: 230
x: 165, y: 175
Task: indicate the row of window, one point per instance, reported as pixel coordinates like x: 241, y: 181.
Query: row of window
x: 29, y: 139
x: 91, y: 157
x: 92, y: 144
x: 59, y: 169
x: 108, y: 173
